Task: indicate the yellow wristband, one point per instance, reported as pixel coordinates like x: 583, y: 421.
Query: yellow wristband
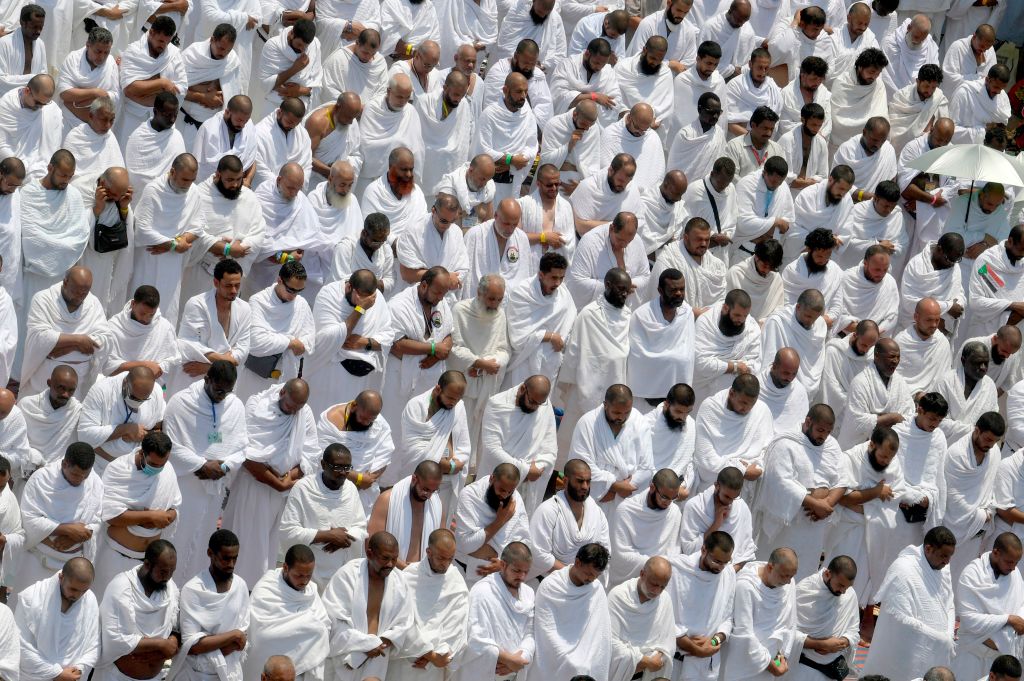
x: 360, y: 309
x: 408, y: 50
x: 543, y: 237
x: 359, y: 479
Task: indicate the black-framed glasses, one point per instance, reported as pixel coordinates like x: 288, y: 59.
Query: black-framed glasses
x: 293, y: 291
x: 338, y: 468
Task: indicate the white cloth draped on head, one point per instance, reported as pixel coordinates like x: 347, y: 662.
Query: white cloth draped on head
x: 440, y: 605
x: 137, y: 64
x: 766, y: 294
x: 311, y: 507
x: 162, y: 214
x: 910, y: 116
x: 572, y: 629
x: 287, y: 621
x: 32, y: 135
x: 402, y: 212
x: 853, y: 104
x: 52, y: 639
x: 714, y: 350
x: 859, y: 298
x: 399, y: 520
x: 346, y: 602
x: 923, y: 361
x: 48, y: 318
x: 497, y: 621
x: 205, y: 611
x: 530, y: 316
x: 473, y: 516
x: 709, y: 602
x: 128, y: 615
x: 764, y: 625
x: 915, y: 625
x: 921, y: 280
x: 724, y: 438
x: 105, y: 408
x: 93, y: 155
x: 699, y: 515
x: 660, y: 352
x: 556, y: 535
x: 638, y: 629
x: 638, y: 533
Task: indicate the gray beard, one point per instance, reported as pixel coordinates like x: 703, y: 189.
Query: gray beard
x: 337, y: 200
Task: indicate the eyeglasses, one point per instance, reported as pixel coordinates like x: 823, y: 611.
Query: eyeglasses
x: 293, y: 291
x: 338, y: 468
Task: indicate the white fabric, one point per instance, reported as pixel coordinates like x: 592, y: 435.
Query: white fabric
x: 31, y: 135
x: 127, y: 615
x: 12, y: 59
x: 688, y: 87
x: 743, y: 95
x: 382, y: 130
x: 593, y: 199
x: 853, y: 104
x: 964, y: 411
x: 205, y: 611
x: 923, y: 361
x: 987, y: 310
x: 983, y: 601
x: 638, y: 629
x: 869, y: 169
x: 133, y: 341
x: 50, y: 430
x: 52, y: 640
x: 594, y: 257
x: 104, y: 409
x: 646, y: 150
x: 705, y: 279
x: 638, y: 533
x: 344, y: 72
x: 595, y: 354
x: 793, y: 100
x: 291, y: 225
x: 783, y: 330
x: 93, y: 155
x: 538, y: 92
x: 471, y: 519
x: 399, y: 518
x: 149, y: 154
x: 868, y: 397
x: 822, y: 615
x: 661, y: 353
x: 201, y: 67
x: 350, y: 255
x: 424, y: 246
x: 866, y: 227
x: 960, y: 64
x: 274, y: 324
x: 699, y: 515
x: 972, y: 109
x: 213, y: 141
x: 788, y: 405
x: 905, y: 61
x: 278, y: 56
x: 844, y: 50
x: 708, y: 611
x: 501, y: 132
x: 764, y: 625
x: 446, y: 140
x: 402, y: 212
x: 910, y: 117
x: 201, y: 333
x: 812, y: 209
x: 921, y: 280
x: 765, y: 293
x: 757, y: 209
x: 724, y: 438
x: 859, y: 298
x: 137, y: 64
x: 636, y: 87
x: 694, y: 150
x: 736, y: 43
x: 556, y: 535
x: 519, y: 25
x: 498, y: 620
x: 273, y: 148
x: 713, y: 350
x: 585, y: 155
x: 402, y: 20
x: 816, y: 168
x: 531, y: 315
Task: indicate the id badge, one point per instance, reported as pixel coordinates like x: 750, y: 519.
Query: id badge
x: 214, y: 438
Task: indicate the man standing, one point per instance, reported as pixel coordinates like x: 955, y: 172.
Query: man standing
x: 415, y: 513
x: 927, y: 354
x: 22, y: 54
x: 968, y: 390
x: 59, y: 623
x: 138, y: 618
x: 727, y: 343
x: 118, y: 411
x: 389, y: 122
x: 149, y: 65
x: 141, y: 337
x: 51, y: 416
x: 507, y: 132
x: 645, y: 526
x: 279, y: 139
x: 433, y: 243
x: 878, y: 396
x: 395, y: 194
x: 231, y: 133
x: 31, y: 123
x: 214, y: 614
x: 498, y: 246
x: 282, y: 448
x: 845, y: 359
x: 371, y: 610
x: 827, y: 617
x: 489, y: 515
x: 719, y: 508
x: 915, y: 625
x: 287, y: 617
x: 108, y: 196
x: 289, y: 66
x: 802, y: 328
x: 661, y: 341
x: 866, y: 291
x: 642, y: 623
x: 933, y: 273
x: 153, y: 145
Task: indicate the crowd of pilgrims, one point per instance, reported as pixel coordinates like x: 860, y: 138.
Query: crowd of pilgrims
x: 545, y: 340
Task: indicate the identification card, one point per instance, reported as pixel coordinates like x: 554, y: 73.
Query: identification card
x: 214, y: 438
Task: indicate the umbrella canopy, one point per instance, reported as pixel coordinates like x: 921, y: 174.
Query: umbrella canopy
x: 974, y: 162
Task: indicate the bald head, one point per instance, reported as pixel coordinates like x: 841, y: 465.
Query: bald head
x: 79, y: 569
x: 642, y: 115
x: 538, y: 385
x: 347, y: 107
x: 920, y: 27
x: 7, y: 400
x: 674, y: 185
x: 587, y: 110
x: 292, y: 172
x: 297, y: 390
x: 342, y: 171
x: 516, y: 80
x: 945, y: 125
x: 278, y: 668
x: 79, y: 277
x: 784, y: 558
x: 859, y: 10
x: 509, y: 211
x: 142, y: 380
x: 370, y: 399
x: 63, y: 374
x: 927, y: 306
x: 787, y: 359
x: 400, y: 155
x: 42, y: 85
x: 115, y: 180
x: 658, y: 567
x: 383, y: 541
x: 442, y: 539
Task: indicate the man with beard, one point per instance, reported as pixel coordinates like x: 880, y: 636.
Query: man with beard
x: 756, y: 146
x: 759, y: 276
x: 415, y: 514
x: 231, y: 133
x: 289, y: 66
x: 447, y: 122
x: 982, y: 218
x: 58, y: 619
x: 727, y: 341
x: 12, y: 177
x: 396, y: 194
x: 507, y: 132
x: 207, y: 425
x: 663, y: 211
x: 139, y: 616
x: 51, y: 416
x: 642, y: 622
x: 857, y: 95
x: 995, y: 303
x: 334, y: 136
x: 704, y: 580
x: 680, y: 36
x: 927, y: 194
x: 732, y: 31
x: 357, y: 426
x: 339, y: 214
x: 866, y: 515
x: 434, y: 242
x: 699, y: 143
x: 645, y: 526
x: 876, y: 222
x: 472, y: 183
x: 613, y: 245
x: 849, y: 39
x: 421, y: 68
x: 235, y: 225
x: 968, y: 58
x: 609, y: 26
x: 969, y: 391
x: 908, y: 48
x: 814, y: 268
x: 148, y: 66
x: 635, y: 134
x: 785, y: 396
x: 802, y: 328
x: 280, y: 139
x: 365, y: 250
x: 1004, y: 362
x: 823, y: 205
x: 806, y: 149
x: 598, y: 199
x: 215, y: 325
x: 213, y: 74
x: 927, y: 355
x: 844, y: 359
x: 480, y: 348
x: 168, y: 220
x: 807, y: 88
x: 524, y: 62
x: 110, y: 208
x: 538, y: 21
x: 433, y: 428
x: 353, y: 337
x: 326, y: 512
x: 601, y: 330
x: 701, y: 77
x: 287, y: 618
x: 989, y: 598
x: 878, y: 396
x: 358, y: 67
x: 746, y: 95
x: 613, y: 439
x: 703, y: 272
x: 793, y: 42
x: 214, y: 613
x: 916, y: 108
x: 661, y: 341
x: 672, y: 433
x: 96, y: 145
x: 490, y: 514
x: 365, y: 638
x: 87, y: 74
x: 572, y: 143
x: 827, y: 618
x: 642, y: 79
x: 867, y: 291
x: 933, y: 273
x: 719, y: 509
x: 519, y: 429
x: 547, y: 216
x: 801, y: 486
x: 870, y: 156
x: 389, y: 122
x: 762, y: 212
x: 916, y: 622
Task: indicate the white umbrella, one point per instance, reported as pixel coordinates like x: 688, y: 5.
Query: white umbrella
x: 974, y: 162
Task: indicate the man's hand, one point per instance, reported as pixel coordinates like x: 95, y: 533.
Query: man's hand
x: 338, y: 538
x: 161, y: 519
x: 493, y: 565
x: 557, y: 344
x: 489, y: 366
x: 99, y: 200
x: 816, y: 509
x: 974, y: 250
x: 604, y: 100
x: 364, y: 301
x: 76, y: 533
x: 506, y: 512
x: 575, y: 137
x: 210, y: 470
x: 890, y: 419
x: 298, y: 348
x: 301, y: 62
x: 554, y: 240
x: 721, y: 515
x: 753, y: 472
x: 86, y: 345
x: 1017, y: 623
x: 740, y: 368
x: 130, y: 432
x: 519, y: 161
x: 534, y: 473
x: 623, y: 488
x: 955, y: 310
x: 195, y: 369
x: 781, y: 224
x: 69, y: 674
x: 884, y: 494
x: 115, y: 13
x: 778, y: 666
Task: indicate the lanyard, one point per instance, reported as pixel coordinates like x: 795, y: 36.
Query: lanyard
x: 213, y: 412
x: 127, y: 412
x: 757, y: 157
x: 768, y: 196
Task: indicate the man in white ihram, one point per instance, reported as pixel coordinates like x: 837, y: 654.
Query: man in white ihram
x: 642, y: 623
